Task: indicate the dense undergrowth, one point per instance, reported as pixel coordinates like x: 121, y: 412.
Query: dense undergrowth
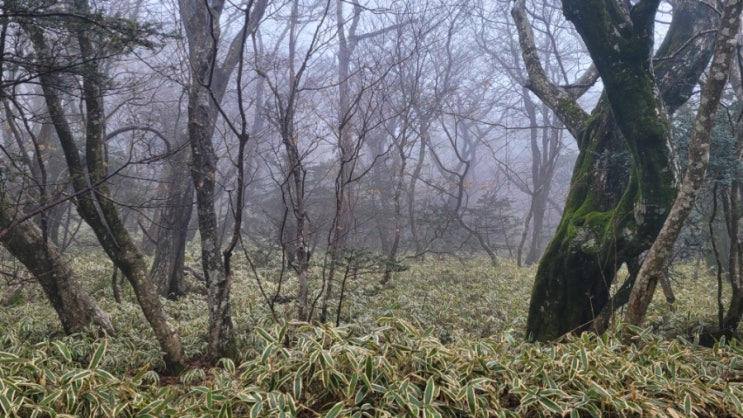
x: 443, y: 339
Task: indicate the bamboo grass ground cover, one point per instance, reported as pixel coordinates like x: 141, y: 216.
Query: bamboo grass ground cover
x: 444, y: 339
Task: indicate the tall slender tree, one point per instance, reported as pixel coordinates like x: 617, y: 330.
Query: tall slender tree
x: 209, y: 78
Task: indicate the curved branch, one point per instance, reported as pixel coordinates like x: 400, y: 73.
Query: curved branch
x: 557, y: 98
x: 125, y: 129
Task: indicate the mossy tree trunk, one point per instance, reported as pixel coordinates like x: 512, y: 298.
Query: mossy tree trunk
x: 623, y: 183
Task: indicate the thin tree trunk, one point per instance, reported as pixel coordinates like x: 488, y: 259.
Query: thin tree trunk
x: 735, y: 270
x: 397, y: 215
x: 209, y: 81
x: 412, y: 185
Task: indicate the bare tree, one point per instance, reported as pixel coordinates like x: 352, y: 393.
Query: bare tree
x: 286, y: 88
x: 28, y: 200
x: 545, y: 131
x: 209, y: 79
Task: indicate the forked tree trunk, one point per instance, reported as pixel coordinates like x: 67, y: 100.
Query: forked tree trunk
x: 623, y: 182
x: 94, y: 203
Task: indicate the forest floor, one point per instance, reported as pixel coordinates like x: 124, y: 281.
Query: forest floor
x: 443, y: 338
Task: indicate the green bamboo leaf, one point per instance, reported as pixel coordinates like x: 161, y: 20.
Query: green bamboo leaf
x: 210, y: 400
x: 49, y: 412
x: 619, y: 403
x: 554, y: 393
x: 735, y: 400
x: 430, y: 391
x: 592, y: 409
x: 227, y: 364
x: 369, y: 368
x: 335, y: 410
x: 255, y: 410
x: 51, y: 398
x: 600, y: 390
x: 551, y: 406
x: 326, y: 360
x: 292, y: 405
x: 75, y: 375
x: 152, y: 408
x: 282, y: 332
x: 119, y: 410
x: 265, y: 335
x: 268, y: 352
x: 5, y: 404
x: 361, y: 394
x: 63, y: 349
x: 70, y: 398
x: 583, y: 357
x: 351, y: 388
x: 105, y: 375
x: 472, y: 400
x: 225, y: 411
x: 95, y: 361
x: 687, y: 405
x: 431, y: 412
x: 297, y: 386
x: 282, y: 402
x: 8, y: 358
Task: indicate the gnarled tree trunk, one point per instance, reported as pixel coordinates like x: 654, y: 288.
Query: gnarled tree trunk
x: 623, y: 183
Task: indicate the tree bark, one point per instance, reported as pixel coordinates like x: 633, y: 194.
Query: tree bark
x: 75, y: 308
x: 653, y: 266
x: 167, y: 271
x: 623, y: 182
x: 731, y: 200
